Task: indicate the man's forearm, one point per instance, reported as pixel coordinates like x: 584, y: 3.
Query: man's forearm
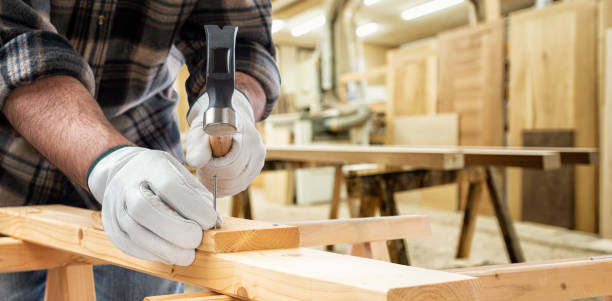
x: 254, y: 92
x: 59, y: 117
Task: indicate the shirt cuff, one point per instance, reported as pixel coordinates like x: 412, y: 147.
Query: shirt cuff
x: 36, y: 54
x: 254, y: 61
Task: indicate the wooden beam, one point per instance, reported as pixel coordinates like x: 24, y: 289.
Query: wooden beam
x: 236, y: 235
x: 20, y: 256
x: 245, y: 235
x: 358, y: 230
x: 302, y: 274
x: 199, y: 296
x: 541, y: 159
x: 491, y: 9
x: 70, y: 283
x: 440, y: 157
x: 425, y: 157
x: 549, y: 280
x: 577, y: 155
x: 605, y: 136
x: 374, y: 249
x: 569, y: 155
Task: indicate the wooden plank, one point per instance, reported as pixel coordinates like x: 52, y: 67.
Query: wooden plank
x: 605, y: 209
x: 549, y: 280
x: 357, y: 230
x: 411, y: 82
x: 279, y: 186
x: 198, y: 296
x: 549, y: 46
x: 439, y: 158
x: 472, y: 82
x: 335, y: 202
x: 241, y: 205
x: 605, y: 118
x: 439, y: 129
x: 287, y: 274
x: 577, y: 155
x: 548, y: 195
x: 569, y: 155
x: 235, y: 235
x: 540, y: 159
x: 435, y: 157
x: 492, y: 9
x: 375, y: 250
x: 19, y: 256
x: 70, y: 283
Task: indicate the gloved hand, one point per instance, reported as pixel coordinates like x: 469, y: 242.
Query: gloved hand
x: 237, y: 169
x: 152, y: 207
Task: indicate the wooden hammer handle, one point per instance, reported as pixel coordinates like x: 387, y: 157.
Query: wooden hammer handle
x: 220, y: 145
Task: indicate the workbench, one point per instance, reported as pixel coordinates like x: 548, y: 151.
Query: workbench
x: 474, y: 167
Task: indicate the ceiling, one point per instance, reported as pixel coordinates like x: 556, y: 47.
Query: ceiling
x: 392, y: 30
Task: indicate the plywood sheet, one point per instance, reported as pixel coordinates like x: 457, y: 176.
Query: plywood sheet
x: 548, y: 195
x: 471, y: 81
x: 278, y: 185
x: 411, y: 82
x: 605, y: 214
x: 553, y: 86
x: 440, y: 129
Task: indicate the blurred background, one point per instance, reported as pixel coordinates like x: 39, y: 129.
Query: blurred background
x: 448, y: 72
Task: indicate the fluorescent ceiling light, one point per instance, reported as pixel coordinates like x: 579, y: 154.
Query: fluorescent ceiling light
x: 370, y: 2
x: 277, y: 25
x: 308, y: 26
x: 367, y: 29
x: 428, y: 8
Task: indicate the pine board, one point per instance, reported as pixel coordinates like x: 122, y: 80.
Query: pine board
x: 287, y: 274
x: 553, y: 86
x: 605, y: 213
x: 471, y: 81
x: 411, y: 82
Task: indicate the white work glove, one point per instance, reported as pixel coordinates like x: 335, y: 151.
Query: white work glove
x: 237, y: 169
x: 152, y: 207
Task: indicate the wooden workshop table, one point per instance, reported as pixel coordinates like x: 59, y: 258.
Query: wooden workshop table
x: 430, y: 166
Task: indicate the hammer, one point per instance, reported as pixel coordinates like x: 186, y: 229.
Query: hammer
x: 220, y: 117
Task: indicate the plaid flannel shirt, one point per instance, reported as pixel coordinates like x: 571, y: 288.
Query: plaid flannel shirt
x: 127, y: 53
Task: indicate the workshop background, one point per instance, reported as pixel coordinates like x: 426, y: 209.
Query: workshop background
x: 447, y: 73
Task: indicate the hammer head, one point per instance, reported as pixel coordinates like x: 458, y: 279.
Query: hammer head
x: 220, y: 121
x: 220, y: 117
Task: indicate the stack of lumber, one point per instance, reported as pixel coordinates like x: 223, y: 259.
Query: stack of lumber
x: 289, y: 273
